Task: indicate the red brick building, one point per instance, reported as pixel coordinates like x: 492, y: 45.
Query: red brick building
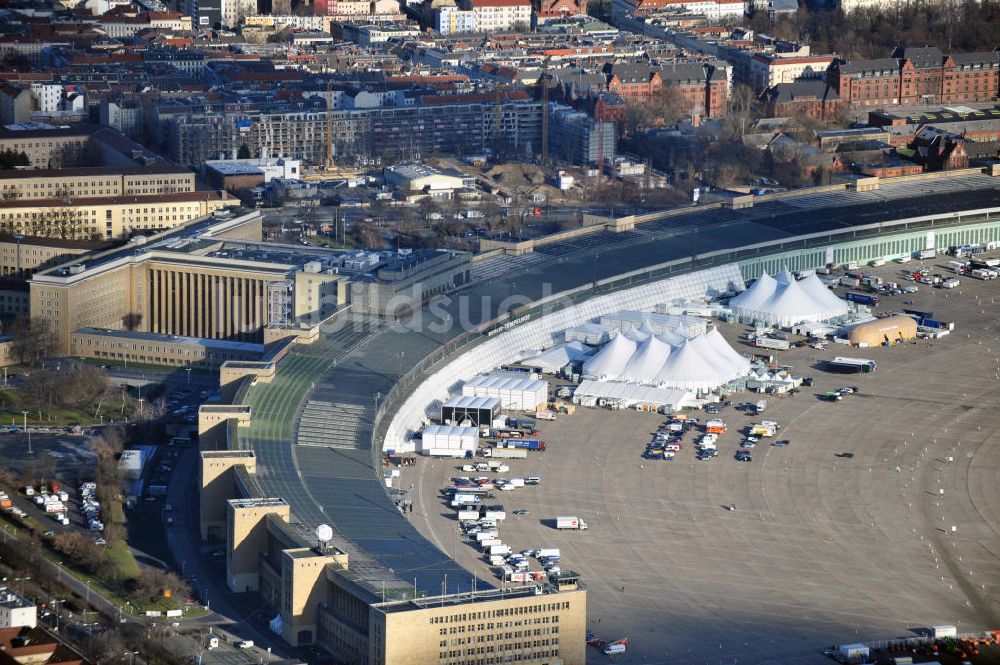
x: 703, y: 85
x: 813, y: 98
x: 918, y: 76
x: 546, y: 10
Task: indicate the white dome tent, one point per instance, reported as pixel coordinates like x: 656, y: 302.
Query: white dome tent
x: 785, y: 302
x: 649, y: 357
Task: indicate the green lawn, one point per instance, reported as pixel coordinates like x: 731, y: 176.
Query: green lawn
x: 12, y: 407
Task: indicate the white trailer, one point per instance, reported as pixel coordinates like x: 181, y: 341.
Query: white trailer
x: 570, y: 522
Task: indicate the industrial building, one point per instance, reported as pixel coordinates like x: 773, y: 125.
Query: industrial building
x: 522, y: 394
x: 480, y: 411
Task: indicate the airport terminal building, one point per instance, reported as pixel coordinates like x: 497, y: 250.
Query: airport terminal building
x: 341, y: 597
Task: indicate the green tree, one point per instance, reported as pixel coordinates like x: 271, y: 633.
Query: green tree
x: 31, y: 338
x: 244, y: 152
x: 9, y: 159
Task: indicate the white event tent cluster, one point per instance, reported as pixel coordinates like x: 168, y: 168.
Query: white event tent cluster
x: 667, y: 360
x: 785, y: 302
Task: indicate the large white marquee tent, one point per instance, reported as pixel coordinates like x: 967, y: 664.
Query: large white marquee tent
x: 672, y: 360
x: 785, y: 302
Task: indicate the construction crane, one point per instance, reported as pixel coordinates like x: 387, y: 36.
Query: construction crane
x: 543, y: 80
x: 329, y: 126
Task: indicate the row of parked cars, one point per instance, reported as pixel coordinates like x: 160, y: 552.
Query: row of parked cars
x: 91, y: 510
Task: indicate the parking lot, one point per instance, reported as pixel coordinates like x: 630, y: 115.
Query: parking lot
x: 822, y: 548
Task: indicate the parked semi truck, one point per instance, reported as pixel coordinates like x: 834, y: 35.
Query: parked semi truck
x: 526, y: 444
x: 570, y: 522
x: 842, y: 365
x: 506, y: 453
x: 862, y: 298
x: 763, y: 342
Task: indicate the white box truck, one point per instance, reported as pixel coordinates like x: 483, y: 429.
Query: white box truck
x: 570, y: 522
x: 499, y: 549
x: 944, y: 631
x: 468, y: 515
x: 485, y: 545
x: 546, y: 551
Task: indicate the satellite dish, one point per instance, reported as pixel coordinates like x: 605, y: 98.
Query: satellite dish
x: 324, y: 533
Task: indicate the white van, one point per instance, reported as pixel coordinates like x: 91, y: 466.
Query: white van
x: 903, y: 259
x: 244, y: 644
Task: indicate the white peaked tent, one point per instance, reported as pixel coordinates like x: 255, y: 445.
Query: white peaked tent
x: 649, y: 357
x: 669, y: 361
x: 783, y: 301
x: 609, y: 363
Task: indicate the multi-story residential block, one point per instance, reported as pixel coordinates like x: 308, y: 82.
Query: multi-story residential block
x: 450, y: 124
x: 711, y: 9
x: 453, y: 19
x: 128, y: 117
x: 16, y: 104
x: 918, y: 76
x: 579, y: 138
x: 493, y: 15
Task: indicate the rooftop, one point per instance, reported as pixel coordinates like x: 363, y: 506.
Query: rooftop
x: 215, y: 344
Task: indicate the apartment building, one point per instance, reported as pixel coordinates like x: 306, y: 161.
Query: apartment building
x: 918, y: 76
x: 107, y: 217
x: 578, y: 138
x: 493, y: 15
x: 446, y: 124
x: 711, y: 9
x: 100, y: 181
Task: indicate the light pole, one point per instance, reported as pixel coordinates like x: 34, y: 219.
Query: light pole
x: 130, y: 655
x: 378, y: 396
x: 399, y: 363
x: 22, y: 580
x: 86, y: 583
x: 188, y: 370
x: 57, y: 603
x: 27, y: 430
x: 59, y: 571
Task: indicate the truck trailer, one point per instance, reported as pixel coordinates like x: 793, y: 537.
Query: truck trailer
x: 841, y: 365
x: 570, y: 522
x: 506, y: 453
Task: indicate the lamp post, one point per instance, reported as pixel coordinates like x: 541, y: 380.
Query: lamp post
x: 22, y: 580
x: 27, y: 430
x: 188, y: 370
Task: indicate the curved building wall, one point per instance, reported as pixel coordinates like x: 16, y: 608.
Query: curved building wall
x: 515, y: 344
